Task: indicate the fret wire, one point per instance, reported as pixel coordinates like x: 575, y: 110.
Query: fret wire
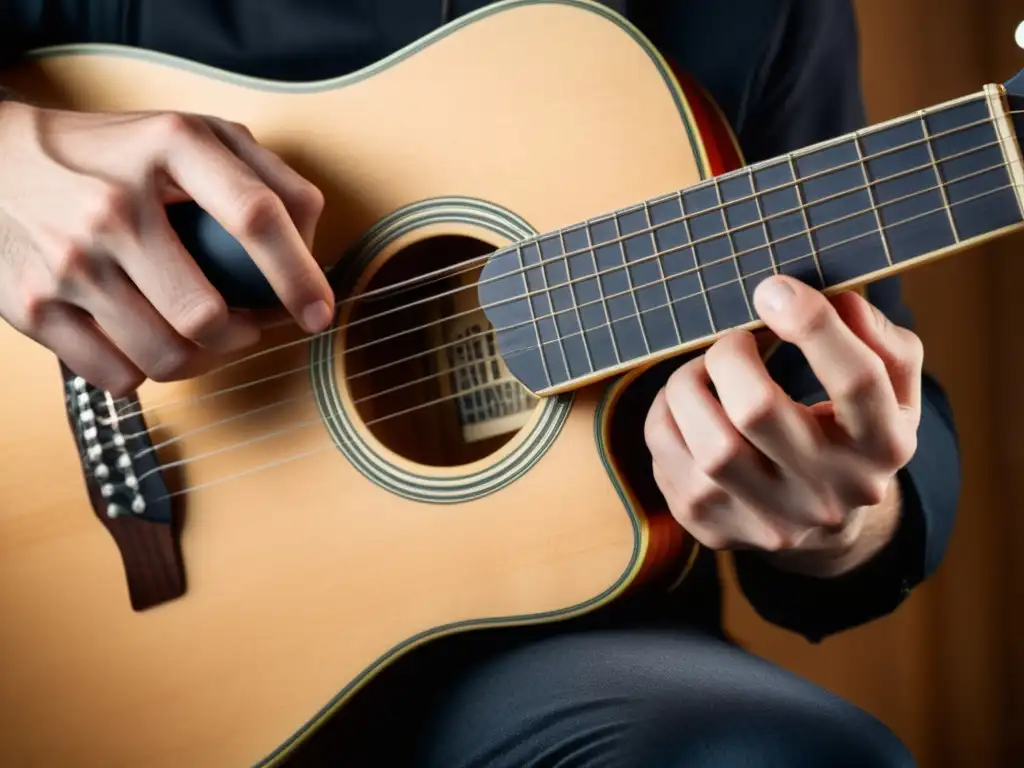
x: 800, y: 234
x: 533, y: 313
x: 871, y: 198
x: 796, y: 259
x: 764, y: 224
x: 826, y: 198
x: 684, y: 220
x: 732, y: 249
x: 600, y: 292
x: 700, y: 277
x: 551, y: 301
x: 807, y: 222
x: 629, y: 278
x: 938, y: 174
x: 575, y: 306
x: 661, y: 269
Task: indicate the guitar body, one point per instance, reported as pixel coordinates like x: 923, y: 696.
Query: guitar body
x: 317, y: 539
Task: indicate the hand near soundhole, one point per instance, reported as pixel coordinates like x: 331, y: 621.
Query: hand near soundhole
x: 812, y: 487
x: 90, y: 266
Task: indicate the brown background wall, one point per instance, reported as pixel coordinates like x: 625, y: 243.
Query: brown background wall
x: 947, y: 670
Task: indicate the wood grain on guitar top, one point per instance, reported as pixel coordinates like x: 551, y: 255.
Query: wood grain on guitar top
x: 306, y: 576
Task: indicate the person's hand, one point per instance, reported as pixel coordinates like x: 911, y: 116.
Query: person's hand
x: 813, y: 487
x: 89, y: 265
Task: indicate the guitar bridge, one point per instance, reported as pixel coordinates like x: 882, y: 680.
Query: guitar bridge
x: 126, y: 488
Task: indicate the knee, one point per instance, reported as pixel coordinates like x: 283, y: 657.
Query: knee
x: 770, y: 733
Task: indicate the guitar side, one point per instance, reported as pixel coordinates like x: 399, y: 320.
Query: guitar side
x: 304, y: 579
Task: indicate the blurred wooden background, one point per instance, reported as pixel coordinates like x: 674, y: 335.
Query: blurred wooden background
x: 946, y: 672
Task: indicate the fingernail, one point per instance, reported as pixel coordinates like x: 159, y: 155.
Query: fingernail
x: 316, y: 316
x: 776, y: 294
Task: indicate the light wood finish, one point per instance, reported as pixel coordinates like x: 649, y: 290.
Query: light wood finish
x: 301, y: 577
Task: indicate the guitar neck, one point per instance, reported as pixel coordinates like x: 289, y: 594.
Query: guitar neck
x: 676, y: 272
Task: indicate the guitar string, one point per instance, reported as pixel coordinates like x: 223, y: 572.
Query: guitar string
x: 563, y: 258
x: 560, y: 337
x: 604, y: 298
x: 469, y: 264
x: 330, y: 443
x: 456, y: 369
x: 457, y: 395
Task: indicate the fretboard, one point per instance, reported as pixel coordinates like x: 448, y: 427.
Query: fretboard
x: 675, y: 272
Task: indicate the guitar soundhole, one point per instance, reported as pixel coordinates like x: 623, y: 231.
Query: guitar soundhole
x: 421, y: 362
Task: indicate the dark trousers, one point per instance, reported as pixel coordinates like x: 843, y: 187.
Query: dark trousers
x: 627, y: 698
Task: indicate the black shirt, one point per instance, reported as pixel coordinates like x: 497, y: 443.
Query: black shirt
x: 784, y: 72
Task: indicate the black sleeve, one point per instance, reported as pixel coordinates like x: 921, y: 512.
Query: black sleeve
x: 811, y: 92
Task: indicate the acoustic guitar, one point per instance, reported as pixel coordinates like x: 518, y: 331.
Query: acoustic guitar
x: 526, y: 212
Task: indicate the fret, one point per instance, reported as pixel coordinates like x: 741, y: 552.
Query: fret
x: 634, y: 331
x: 732, y: 246
x: 575, y: 305
x: 714, y: 256
x: 751, y: 246
x: 563, y: 325
x: 661, y: 271
x: 686, y: 298
x: 646, y: 279
x: 700, y: 277
x: 586, y: 295
x: 682, y: 268
x: 871, y: 198
x: 629, y: 281
x: 807, y: 221
x: 601, y: 292
x: 533, y: 316
x: 785, y: 221
x: 938, y: 175
x: 761, y: 219
x: 973, y: 164
x: 504, y: 294
x: 838, y: 205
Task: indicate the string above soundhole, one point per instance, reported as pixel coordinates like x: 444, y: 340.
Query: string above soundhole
x: 421, y: 363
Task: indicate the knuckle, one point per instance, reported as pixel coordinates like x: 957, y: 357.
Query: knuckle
x: 815, y: 319
x: 30, y: 318
x: 718, y: 459
x: 241, y: 128
x: 870, y: 491
x: 732, y: 343
x: 705, y: 498
x: 656, y: 426
x: 69, y: 262
x: 756, y: 412
x: 110, y: 211
x: 309, y: 199
x: 776, y: 541
x: 864, y: 380
x: 897, y: 448
x: 200, y: 318
x: 257, y: 212
x: 175, y: 126
x: 682, y: 378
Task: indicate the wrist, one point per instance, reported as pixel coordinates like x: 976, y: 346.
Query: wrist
x: 831, y: 554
